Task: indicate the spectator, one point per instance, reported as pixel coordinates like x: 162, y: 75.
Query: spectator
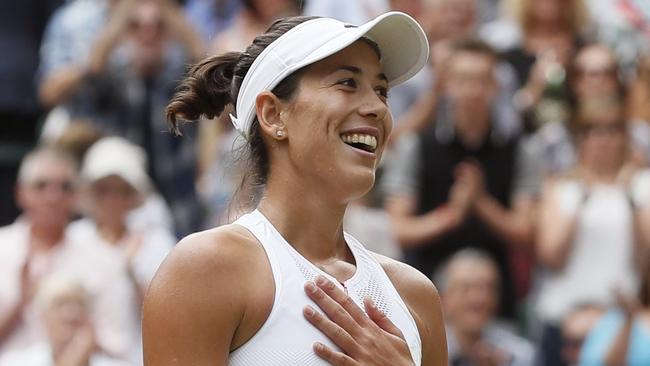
x: 594, y: 75
x: 65, y: 50
x: 457, y: 183
x: 621, y: 336
x: 550, y: 33
x: 575, y: 327
x: 469, y: 287
x: 64, y: 307
x: 39, y: 244
x: 450, y: 21
x: 138, y: 62
x: 116, y: 182
x: 591, y: 222
x: 254, y: 17
x: 21, y: 30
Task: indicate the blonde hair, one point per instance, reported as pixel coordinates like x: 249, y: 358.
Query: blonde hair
x: 58, y: 286
x: 576, y: 17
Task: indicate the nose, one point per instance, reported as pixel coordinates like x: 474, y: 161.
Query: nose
x: 372, y: 106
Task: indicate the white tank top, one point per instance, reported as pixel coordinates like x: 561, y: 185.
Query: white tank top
x: 287, y: 338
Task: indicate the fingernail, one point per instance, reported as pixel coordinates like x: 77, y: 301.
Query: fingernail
x: 309, y: 311
x: 319, y: 347
x: 311, y: 288
x: 321, y: 280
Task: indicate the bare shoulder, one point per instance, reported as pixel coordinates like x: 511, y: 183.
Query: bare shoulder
x: 411, y: 284
x: 200, y: 295
x: 423, y: 300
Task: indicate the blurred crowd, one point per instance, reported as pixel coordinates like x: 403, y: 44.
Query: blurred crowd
x: 517, y: 177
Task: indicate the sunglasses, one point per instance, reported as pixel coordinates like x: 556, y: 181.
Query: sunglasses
x: 605, y: 129
x: 65, y: 186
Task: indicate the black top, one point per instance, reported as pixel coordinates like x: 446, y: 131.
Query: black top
x: 438, y: 161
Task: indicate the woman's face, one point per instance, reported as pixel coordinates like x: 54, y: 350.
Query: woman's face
x: 112, y: 199
x: 338, y: 122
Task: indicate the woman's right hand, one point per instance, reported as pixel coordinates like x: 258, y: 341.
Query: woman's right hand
x: 371, y: 340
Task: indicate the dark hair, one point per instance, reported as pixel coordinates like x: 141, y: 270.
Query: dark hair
x: 473, y: 45
x: 213, y: 83
x: 296, y: 5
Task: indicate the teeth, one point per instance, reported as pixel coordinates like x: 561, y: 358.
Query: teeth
x: 355, y: 138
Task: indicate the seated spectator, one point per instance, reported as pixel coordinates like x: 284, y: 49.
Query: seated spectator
x: 39, y: 244
x: 469, y: 288
x: 592, y: 223
x: 64, y: 307
x: 575, y: 327
x: 622, y: 336
x: 458, y: 183
x: 115, y: 183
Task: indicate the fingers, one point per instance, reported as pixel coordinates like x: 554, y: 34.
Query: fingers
x: 336, y: 303
x: 332, y: 357
x: 381, y: 319
x: 332, y: 330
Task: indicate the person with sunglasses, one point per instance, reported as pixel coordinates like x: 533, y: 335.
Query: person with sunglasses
x: 39, y: 244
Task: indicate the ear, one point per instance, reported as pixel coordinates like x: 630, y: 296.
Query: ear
x: 269, y: 108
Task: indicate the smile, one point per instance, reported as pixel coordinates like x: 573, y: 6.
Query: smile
x: 361, y: 141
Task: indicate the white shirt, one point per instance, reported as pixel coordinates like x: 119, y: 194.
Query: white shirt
x: 287, y: 338
x: 41, y: 355
x: 74, y: 258
x: 602, y: 252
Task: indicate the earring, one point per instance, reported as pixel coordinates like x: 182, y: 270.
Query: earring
x: 279, y: 133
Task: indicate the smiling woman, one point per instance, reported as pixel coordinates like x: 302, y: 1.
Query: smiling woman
x: 310, y: 99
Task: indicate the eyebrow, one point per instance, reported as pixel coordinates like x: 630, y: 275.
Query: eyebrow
x: 356, y: 70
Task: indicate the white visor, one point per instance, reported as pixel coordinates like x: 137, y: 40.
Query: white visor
x: 402, y: 43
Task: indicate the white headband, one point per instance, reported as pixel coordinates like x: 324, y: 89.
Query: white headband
x: 402, y: 43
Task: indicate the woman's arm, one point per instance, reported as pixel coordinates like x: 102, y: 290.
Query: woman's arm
x: 192, y: 310
x: 555, y: 230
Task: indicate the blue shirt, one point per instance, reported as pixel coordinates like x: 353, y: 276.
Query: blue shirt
x: 602, y: 336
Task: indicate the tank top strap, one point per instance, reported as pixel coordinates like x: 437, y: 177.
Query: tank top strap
x: 256, y: 225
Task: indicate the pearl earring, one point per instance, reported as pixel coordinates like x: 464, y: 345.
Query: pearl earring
x: 279, y: 133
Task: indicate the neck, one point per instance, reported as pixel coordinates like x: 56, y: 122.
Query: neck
x: 112, y: 232
x: 306, y: 218
x: 472, y: 130
x: 466, y: 339
x: 46, y: 236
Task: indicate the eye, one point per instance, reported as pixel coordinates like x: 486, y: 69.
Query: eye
x: 351, y: 83
x: 382, y: 92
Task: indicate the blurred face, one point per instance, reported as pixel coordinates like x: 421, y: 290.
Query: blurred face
x: 47, y: 196
x: 269, y: 10
x: 64, y: 317
x: 410, y: 7
x: 469, y: 81
x: 457, y: 17
x: 338, y: 122
x: 595, y: 73
x: 603, y: 140
x: 470, y: 298
x: 147, y: 24
x: 547, y: 10
x: 112, y: 198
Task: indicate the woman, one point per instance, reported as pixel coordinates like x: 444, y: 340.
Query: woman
x: 310, y: 98
x: 593, y: 223
x: 621, y: 336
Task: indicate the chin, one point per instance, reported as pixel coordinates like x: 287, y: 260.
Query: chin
x: 352, y: 185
